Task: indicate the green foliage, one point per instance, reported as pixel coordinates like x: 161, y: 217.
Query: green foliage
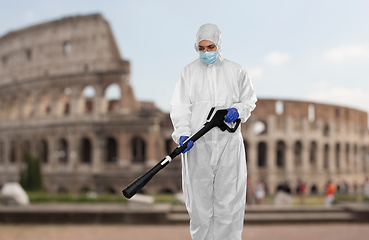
x: 42, y: 197
x: 30, y: 176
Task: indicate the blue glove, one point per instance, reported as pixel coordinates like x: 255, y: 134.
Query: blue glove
x: 232, y: 115
x: 189, y: 144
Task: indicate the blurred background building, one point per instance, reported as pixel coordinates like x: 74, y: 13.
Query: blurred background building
x: 56, y: 81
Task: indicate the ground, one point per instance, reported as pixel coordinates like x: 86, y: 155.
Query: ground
x: 180, y: 232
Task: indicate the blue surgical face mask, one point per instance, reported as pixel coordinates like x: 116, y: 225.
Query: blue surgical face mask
x: 209, y: 57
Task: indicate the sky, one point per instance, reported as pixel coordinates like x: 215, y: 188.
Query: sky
x: 316, y: 50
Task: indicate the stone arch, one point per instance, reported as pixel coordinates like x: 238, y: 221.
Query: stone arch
x: 347, y: 151
x: 326, y: 130
x: 313, y: 153
x: 111, y: 150
x: 364, y: 157
x: 326, y: 157
x: 338, y: 155
x: 14, y: 108
x: 281, y: 154
x: 12, y: 152
x: 355, y: 156
x: 113, y: 95
x: 67, y: 48
x: 26, y: 149
x: 43, y: 151
x: 1, y: 152
x: 28, y: 110
x: 88, y: 95
x: 85, y: 150
x: 138, y: 150
x: 3, y: 109
x: 314, y: 190
x: 262, y: 154
x: 62, y: 151
x: 44, y: 104
x: 64, y: 102
x: 298, y: 153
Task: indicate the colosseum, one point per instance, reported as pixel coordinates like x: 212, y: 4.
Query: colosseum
x: 55, y: 80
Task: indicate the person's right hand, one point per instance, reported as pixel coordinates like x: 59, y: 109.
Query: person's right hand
x: 189, y: 144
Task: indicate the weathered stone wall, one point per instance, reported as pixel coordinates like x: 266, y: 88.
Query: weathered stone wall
x: 85, y: 141
x: 307, y: 141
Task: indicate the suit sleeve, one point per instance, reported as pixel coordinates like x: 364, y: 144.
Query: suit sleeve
x: 180, y: 107
x: 247, y: 97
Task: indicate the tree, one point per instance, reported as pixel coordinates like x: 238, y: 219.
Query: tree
x: 31, y: 177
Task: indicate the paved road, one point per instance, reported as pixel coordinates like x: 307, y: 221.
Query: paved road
x: 180, y: 232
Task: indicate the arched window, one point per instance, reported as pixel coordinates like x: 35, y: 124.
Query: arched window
x: 28, y: 110
x: 112, y: 150
x: 326, y: 157
x: 338, y: 149
x: 313, y: 151
x: 1, y: 152
x: 43, y: 151
x: 326, y: 130
x: 138, y: 150
x: 364, y: 158
x: 262, y: 154
x: 298, y: 153
x: 14, y: 109
x: 281, y: 148
x: 311, y: 113
x: 62, y: 151
x: 113, y: 95
x: 66, y: 95
x: 88, y: 94
x: 314, y: 190
x: 67, y: 47
x: 355, y: 156
x: 85, y: 150
x: 12, y: 156
x: 347, y: 156
x: 26, y: 150
x: 44, y: 104
x: 279, y: 107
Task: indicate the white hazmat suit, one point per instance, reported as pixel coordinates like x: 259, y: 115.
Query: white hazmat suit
x: 214, y: 171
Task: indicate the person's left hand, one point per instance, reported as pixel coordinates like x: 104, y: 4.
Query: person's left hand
x: 232, y: 115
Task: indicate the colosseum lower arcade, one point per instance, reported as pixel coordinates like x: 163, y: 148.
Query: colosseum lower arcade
x: 66, y: 98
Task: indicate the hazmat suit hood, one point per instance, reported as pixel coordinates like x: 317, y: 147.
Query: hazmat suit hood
x: 212, y: 33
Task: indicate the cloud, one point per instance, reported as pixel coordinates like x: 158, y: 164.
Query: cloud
x: 351, y: 97
x: 256, y: 72
x: 346, y: 53
x: 277, y: 58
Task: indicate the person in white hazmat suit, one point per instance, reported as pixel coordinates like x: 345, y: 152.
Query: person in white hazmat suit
x: 214, y: 171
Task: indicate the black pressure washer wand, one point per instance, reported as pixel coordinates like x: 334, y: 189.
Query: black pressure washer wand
x: 214, y: 119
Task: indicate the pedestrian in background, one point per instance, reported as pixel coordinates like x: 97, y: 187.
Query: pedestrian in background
x: 329, y: 194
